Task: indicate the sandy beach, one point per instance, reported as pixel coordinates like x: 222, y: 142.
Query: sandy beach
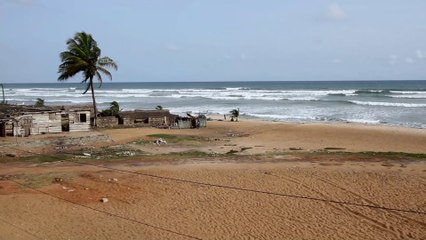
x: 265, y: 136
x: 231, y: 180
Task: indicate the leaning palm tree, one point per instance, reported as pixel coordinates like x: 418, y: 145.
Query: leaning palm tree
x: 83, y: 55
x: 235, y: 113
x: 114, y: 107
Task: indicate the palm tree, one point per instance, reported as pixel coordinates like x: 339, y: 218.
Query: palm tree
x: 83, y: 55
x: 235, y: 113
x: 114, y: 107
x: 39, y: 102
x: 113, y: 110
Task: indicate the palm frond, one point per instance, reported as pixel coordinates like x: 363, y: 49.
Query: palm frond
x: 70, y: 68
x: 107, y: 62
x: 88, y: 86
x: 104, y: 71
x: 75, y: 47
x: 98, y: 75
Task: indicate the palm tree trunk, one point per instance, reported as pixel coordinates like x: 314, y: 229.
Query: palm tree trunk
x: 94, y: 103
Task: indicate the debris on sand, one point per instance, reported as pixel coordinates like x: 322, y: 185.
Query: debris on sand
x: 104, y: 200
x: 113, y: 180
x: 58, y: 180
x: 160, y: 141
x: 126, y: 154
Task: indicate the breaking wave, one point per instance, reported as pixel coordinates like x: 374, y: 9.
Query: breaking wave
x: 390, y: 104
x: 383, y: 103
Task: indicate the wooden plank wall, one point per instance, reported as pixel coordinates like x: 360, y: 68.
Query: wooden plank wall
x: 46, y: 122
x: 76, y: 125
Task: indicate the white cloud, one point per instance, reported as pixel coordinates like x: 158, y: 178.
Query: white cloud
x: 420, y: 54
x: 409, y: 60
x: 25, y: 2
x: 393, y: 59
x: 335, y: 12
x: 172, y: 48
x: 337, y: 60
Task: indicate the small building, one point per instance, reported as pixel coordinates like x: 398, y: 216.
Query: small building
x: 79, y: 120
x: 43, y: 122
x: 6, y: 126
x: 147, y: 118
x: 151, y: 118
x: 27, y: 120
x: 199, y: 121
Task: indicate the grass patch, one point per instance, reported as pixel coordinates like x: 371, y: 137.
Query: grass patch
x: 43, y: 180
x: 190, y: 154
x: 176, y: 138
x: 351, y: 155
x: 142, y: 142
x: 395, y: 155
x: 334, y: 148
x: 232, y: 151
x: 245, y: 148
x: 117, y: 152
x: 40, y: 158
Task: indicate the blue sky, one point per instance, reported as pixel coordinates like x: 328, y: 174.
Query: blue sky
x: 220, y: 40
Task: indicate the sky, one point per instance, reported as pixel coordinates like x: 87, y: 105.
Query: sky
x: 220, y: 40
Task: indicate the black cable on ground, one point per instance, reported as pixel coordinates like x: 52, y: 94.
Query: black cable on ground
x: 105, y: 212
x: 256, y: 191
x: 21, y: 229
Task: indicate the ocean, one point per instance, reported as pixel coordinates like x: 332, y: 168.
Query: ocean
x: 400, y: 103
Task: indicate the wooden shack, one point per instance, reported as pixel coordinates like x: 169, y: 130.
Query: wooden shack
x: 79, y: 120
x: 59, y: 121
x: 43, y: 122
x: 6, y: 126
x: 199, y: 121
x: 147, y: 118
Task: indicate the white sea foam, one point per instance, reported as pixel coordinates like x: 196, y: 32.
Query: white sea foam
x: 310, y: 104
x: 302, y: 99
x: 281, y: 117
x: 408, y: 96
x: 408, y: 92
x: 390, y: 104
x: 215, y: 94
x: 366, y: 121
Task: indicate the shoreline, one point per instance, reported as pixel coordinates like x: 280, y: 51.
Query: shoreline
x: 246, y: 137
x: 389, y: 103
x: 218, y: 117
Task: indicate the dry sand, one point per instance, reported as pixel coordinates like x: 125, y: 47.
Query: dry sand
x: 264, y: 137
x: 328, y: 197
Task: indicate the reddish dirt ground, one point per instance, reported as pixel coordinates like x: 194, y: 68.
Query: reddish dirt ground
x: 285, y: 200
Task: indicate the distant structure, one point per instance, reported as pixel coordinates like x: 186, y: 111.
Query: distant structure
x: 29, y: 120
x: 2, y: 91
x: 23, y: 121
x: 160, y: 118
